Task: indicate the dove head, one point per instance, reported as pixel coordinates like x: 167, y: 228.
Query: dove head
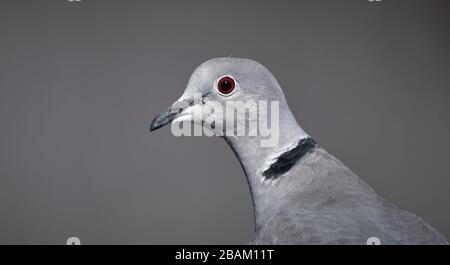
x: 229, y: 97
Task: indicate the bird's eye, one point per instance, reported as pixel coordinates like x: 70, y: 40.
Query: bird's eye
x: 226, y: 85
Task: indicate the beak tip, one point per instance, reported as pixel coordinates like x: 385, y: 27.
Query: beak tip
x: 161, y: 120
x: 165, y: 118
x: 155, y: 125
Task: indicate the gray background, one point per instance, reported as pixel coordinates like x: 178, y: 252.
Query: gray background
x: 80, y: 83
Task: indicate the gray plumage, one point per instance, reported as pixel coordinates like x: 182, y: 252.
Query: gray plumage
x: 315, y: 198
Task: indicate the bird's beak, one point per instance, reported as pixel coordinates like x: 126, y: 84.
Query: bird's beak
x: 175, y: 111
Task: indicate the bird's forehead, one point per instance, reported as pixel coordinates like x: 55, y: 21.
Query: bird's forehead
x: 214, y: 68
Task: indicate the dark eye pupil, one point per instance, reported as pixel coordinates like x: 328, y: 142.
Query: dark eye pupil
x: 226, y: 85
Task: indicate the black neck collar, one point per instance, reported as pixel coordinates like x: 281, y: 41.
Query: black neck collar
x: 288, y: 159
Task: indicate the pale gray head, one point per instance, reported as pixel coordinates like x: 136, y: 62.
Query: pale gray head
x: 221, y: 80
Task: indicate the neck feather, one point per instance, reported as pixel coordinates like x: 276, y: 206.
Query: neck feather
x: 265, y: 166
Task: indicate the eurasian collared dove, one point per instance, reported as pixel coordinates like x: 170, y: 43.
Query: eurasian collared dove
x: 301, y: 194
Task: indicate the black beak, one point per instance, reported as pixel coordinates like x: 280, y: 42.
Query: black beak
x: 162, y: 119
x: 169, y: 115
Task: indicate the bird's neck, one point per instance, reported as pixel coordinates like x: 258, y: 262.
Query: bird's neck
x: 267, y: 194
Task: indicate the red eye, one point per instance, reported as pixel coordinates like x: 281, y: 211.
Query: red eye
x: 226, y: 85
